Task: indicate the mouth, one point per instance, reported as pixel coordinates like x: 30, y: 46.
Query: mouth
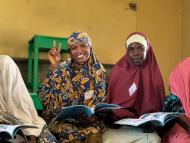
x: 80, y: 56
x: 137, y: 61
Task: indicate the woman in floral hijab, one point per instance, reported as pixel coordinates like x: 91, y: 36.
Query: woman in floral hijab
x: 80, y: 80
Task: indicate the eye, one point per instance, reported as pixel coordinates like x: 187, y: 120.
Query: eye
x: 83, y: 45
x: 130, y: 49
x: 73, y: 47
x: 141, y: 48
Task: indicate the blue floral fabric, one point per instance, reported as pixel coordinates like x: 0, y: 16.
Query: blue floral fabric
x: 172, y: 103
x: 79, y: 36
x: 66, y: 86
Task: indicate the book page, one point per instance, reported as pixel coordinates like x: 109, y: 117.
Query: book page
x: 9, y: 129
x: 154, y: 116
x: 132, y: 121
x: 105, y: 106
x: 156, y: 119
x: 171, y: 115
x: 71, y: 111
x: 161, y: 116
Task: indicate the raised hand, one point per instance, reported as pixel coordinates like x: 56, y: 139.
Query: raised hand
x: 54, y: 55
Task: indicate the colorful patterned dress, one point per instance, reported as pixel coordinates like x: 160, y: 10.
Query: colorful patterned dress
x: 68, y: 85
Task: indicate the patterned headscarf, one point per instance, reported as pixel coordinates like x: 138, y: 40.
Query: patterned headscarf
x: 82, y: 37
x: 79, y: 36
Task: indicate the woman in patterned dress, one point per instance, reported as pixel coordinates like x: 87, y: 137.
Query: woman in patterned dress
x: 80, y: 80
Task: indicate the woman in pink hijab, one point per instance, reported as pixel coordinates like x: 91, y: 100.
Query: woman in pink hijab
x: 136, y: 82
x: 179, y: 101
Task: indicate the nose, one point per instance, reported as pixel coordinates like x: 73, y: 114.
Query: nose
x: 135, y: 52
x: 79, y: 49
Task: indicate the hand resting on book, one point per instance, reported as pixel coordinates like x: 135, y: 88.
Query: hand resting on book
x: 148, y: 129
x: 108, y: 118
x: 184, y: 121
x: 84, y: 119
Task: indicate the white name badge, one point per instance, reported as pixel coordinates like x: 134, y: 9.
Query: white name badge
x: 89, y: 94
x: 132, y: 89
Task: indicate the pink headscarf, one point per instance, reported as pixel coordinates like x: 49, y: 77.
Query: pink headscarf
x: 139, y: 89
x: 179, y: 81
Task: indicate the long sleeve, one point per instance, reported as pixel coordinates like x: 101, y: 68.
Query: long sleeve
x: 100, y: 87
x: 50, y: 93
x: 15, y: 98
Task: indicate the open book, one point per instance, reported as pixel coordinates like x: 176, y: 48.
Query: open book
x: 74, y: 110
x: 155, y: 119
x: 8, y: 132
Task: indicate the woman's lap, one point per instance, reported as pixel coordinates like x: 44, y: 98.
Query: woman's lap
x: 129, y: 134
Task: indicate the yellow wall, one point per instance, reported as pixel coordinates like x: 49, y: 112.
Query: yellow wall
x: 186, y: 29
x: 161, y: 21
x: 106, y: 21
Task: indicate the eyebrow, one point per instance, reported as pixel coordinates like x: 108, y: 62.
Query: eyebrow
x: 136, y: 46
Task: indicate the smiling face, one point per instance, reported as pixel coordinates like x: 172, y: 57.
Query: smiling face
x: 80, y: 52
x: 136, y: 53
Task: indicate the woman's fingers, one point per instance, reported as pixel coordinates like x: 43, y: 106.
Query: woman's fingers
x: 54, y: 44
x: 54, y: 49
x: 59, y: 48
x: 54, y: 54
